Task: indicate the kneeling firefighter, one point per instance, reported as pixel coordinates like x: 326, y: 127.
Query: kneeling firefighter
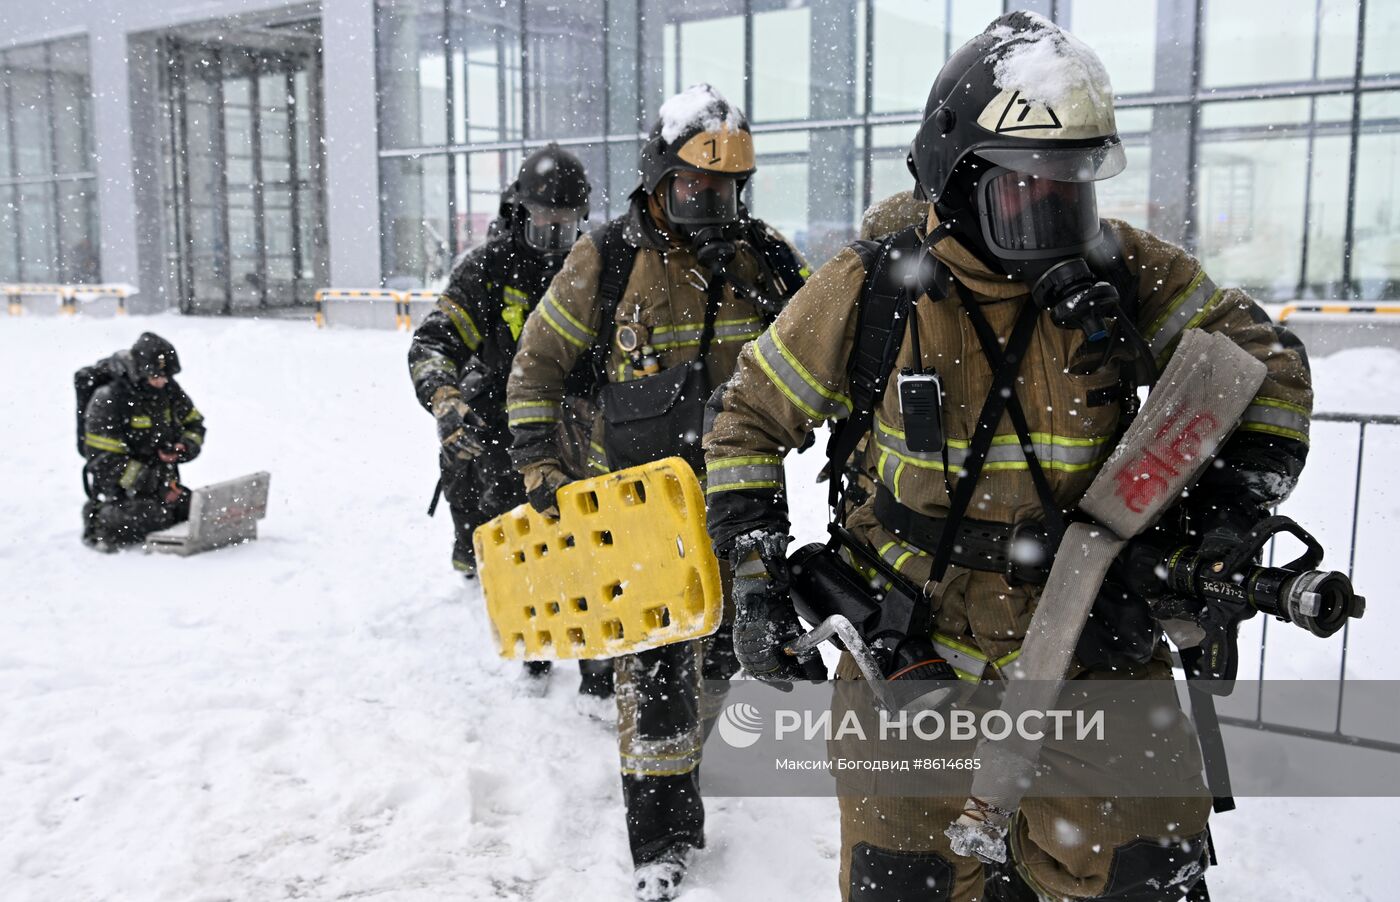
x: 462, y: 352
x: 136, y: 426
x: 991, y: 379
x: 655, y: 306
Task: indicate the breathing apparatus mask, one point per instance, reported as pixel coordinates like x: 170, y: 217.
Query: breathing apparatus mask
x: 704, y: 209
x: 549, y: 231
x: 1037, y: 229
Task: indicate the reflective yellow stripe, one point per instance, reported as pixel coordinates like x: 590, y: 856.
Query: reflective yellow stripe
x: 103, y: 443
x: 194, y: 438
x: 193, y: 415
x: 564, y: 322
x: 755, y: 471
x: 435, y: 363
x: 130, y: 474
x: 795, y: 381
x: 1275, y: 416
x: 461, y: 321
x: 140, y: 422
x: 1185, y: 311
x: 520, y: 413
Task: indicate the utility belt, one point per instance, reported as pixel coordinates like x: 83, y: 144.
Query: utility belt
x: 1021, y: 552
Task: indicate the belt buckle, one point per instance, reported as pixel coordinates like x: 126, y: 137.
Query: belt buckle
x: 1027, y: 554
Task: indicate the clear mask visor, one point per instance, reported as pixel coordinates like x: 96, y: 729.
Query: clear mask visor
x: 552, y: 230
x: 1026, y: 213
x: 701, y: 199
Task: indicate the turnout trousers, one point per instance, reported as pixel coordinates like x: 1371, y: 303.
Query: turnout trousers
x: 893, y: 849
x: 667, y: 702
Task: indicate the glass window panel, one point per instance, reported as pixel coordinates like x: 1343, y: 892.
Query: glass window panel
x: 782, y: 64
x: 1127, y: 195
x: 911, y: 42
x: 30, y: 111
x: 77, y: 230
x: 1334, y: 109
x: 712, y: 51
x: 1133, y: 120
x: 6, y: 169
x: 9, y: 235
x: 1127, y: 44
x: 412, y: 73
x: 1250, y: 210
x: 37, y: 253
x: 888, y: 171
x: 490, y: 37
x: 779, y: 196
x: 1239, y: 114
x: 1327, y: 215
x: 1382, y: 43
x: 1376, y: 247
x: 566, y: 83
x: 1336, y: 49
x: 413, y: 205
x: 1237, y: 51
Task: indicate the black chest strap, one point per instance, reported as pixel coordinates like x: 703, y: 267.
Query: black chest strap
x: 885, y: 303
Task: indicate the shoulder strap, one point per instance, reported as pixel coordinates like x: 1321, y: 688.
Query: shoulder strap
x: 781, y: 259
x: 618, y: 256
x: 884, y: 312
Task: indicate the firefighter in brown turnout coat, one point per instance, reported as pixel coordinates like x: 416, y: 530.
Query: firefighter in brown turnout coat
x: 656, y: 305
x: 1007, y: 176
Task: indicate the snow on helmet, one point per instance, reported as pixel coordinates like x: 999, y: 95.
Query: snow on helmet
x: 548, y: 201
x: 703, y: 138
x: 1017, y: 127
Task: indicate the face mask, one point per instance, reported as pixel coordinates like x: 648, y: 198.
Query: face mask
x: 701, y: 199
x: 551, y: 230
x: 1030, y: 218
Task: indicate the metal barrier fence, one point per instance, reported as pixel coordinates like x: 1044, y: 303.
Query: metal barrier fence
x: 371, y: 307
x: 1336, y: 734
x: 65, y: 298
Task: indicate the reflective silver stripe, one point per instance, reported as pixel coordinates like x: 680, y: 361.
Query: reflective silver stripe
x: 1054, y: 452
x: 897, y: 554
x: 1278, y: 417
x: 963, y: 661
x: 521, y: 413
x: 678, y: 335
x: 661, y: 757
x: 890, y: 468
x: 563, y: 322
x: 435, y: 363
x: 791, y: 378
x: 1184, y: 311
x: 130, y: 474
x: 738, y: 329
x: 760, y: 471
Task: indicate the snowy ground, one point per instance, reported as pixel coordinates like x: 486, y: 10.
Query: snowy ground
x: 319, y: 715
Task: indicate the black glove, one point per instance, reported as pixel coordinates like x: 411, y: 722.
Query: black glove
x: 764, y: 620
x: 543, y: 479
x: 457, y: 424
x: 1222, y: 521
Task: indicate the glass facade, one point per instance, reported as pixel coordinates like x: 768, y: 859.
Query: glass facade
x: 1273, y: 154
x: 48, y: 186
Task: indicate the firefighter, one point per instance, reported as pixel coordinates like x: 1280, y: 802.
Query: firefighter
x: 655, y: 305
x: 461, y: 355
x: 137, y: 426
x: 1018, y: 126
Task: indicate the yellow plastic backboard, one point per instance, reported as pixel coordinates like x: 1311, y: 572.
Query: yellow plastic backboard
x: 628, y: 566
